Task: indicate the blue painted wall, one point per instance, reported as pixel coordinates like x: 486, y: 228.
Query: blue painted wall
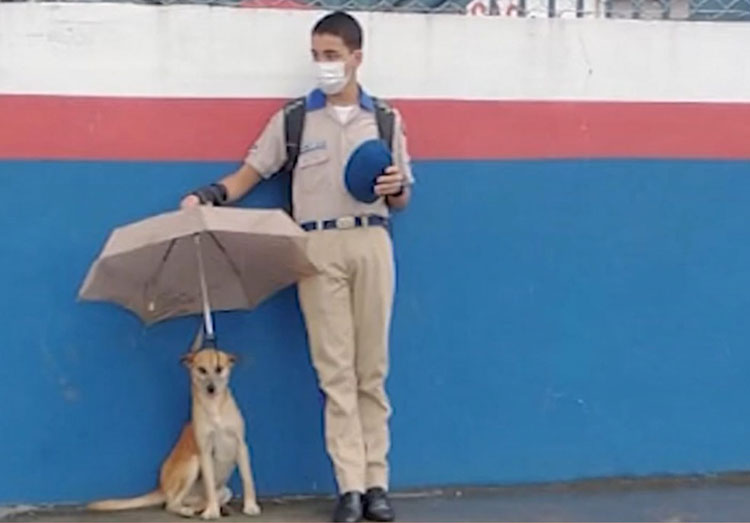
x: 555, y: 320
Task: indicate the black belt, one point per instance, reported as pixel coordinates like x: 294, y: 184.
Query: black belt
x: 346, y: 222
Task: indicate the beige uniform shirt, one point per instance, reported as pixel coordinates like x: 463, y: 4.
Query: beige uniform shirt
x: 319, y: 190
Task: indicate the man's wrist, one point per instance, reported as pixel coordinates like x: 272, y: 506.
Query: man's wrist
x: 216, y: 193
x: 400, y: 191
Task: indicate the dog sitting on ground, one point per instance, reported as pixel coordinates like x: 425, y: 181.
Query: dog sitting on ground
x: 193, y: 478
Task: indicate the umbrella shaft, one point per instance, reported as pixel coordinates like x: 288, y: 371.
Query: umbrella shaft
x: 207, y: 320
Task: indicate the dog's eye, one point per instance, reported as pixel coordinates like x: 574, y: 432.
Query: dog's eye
x: 202, y: 370
x: 218, y: 370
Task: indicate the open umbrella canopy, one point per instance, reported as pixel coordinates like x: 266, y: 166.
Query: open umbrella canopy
x: 176, y: 263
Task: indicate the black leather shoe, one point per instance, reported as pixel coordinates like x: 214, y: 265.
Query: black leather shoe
x: 377, y: 506
x: 348, y: 508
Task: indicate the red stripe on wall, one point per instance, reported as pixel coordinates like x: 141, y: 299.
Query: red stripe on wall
x: 64, y: 127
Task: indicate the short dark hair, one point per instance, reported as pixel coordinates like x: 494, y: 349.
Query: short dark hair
x: 344, y: 26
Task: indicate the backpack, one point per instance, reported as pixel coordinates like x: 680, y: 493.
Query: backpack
x: 294, y: 123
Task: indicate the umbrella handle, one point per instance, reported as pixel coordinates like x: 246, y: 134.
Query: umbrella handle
x: 202, y: 341
x: 209, y: 342
x: 207, y: 319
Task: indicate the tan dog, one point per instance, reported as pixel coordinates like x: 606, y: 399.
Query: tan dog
x: 194, y: 476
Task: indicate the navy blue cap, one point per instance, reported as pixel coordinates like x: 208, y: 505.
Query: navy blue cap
x: 365, y: 165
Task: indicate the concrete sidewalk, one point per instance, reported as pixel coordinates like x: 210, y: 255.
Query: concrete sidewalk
x: 669, y: 500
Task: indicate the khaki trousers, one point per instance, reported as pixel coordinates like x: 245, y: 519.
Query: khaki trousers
x: 347, y: 310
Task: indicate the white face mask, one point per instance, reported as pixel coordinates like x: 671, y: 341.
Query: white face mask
x: 331, y: 76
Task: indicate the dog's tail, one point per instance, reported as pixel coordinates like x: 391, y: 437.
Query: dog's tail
x: 147, y: 500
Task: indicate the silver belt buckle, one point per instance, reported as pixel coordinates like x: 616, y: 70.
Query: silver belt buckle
x: 346, y: 222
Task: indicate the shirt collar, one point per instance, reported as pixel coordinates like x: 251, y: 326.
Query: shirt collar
x: 317, y: 100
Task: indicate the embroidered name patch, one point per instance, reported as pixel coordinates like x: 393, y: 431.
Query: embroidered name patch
x: 313, y: 146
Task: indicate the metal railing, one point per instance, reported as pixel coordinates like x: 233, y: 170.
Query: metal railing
x: 718, y: 10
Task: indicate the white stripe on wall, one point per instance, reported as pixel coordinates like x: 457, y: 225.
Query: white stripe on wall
x: 198, y: 51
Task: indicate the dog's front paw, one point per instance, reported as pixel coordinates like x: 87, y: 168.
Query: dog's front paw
x: 251, y: 508
x: 211, y: 513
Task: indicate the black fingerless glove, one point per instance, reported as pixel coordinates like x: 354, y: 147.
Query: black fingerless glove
x: 215, y: 193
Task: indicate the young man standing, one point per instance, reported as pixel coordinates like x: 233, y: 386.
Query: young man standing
x: 347, y: 307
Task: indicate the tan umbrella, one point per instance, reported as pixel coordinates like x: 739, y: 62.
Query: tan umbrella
x: 198, y: 259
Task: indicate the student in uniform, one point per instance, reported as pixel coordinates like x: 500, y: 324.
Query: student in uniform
x: 347, y: 306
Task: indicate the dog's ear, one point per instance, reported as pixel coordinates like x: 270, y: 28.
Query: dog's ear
x: 232, y: 358
x: 187, y: 358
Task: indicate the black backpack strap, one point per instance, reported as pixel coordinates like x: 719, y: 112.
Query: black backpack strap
x: 386, y: 119
x: 294, y: 124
